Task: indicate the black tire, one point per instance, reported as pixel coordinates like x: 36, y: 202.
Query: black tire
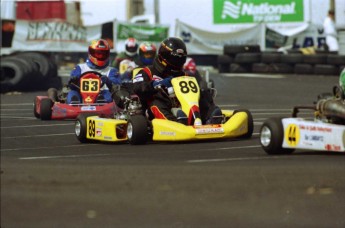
x: 80, y: 127
x: 248, y: 58
x: 12, y: 74
x: 239, y: 68
x: 268, y: 57
x: 233, y: 50
x: 36, y: 114
x: 336, y: 59
x: 302, y: 68
x: 261, y: 68
x: 250, y: 123
x: 46, y: 109
x: 315, y: 59
x: 324, y: 69
x: 137, y: 130
x: 40, y: 60
x: 292, y: 58
x: 272, y: 136
x: 281, y: 68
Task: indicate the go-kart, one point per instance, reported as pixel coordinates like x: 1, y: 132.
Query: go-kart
x: 54, y: 106
x: 325, y: 132
x: 131, y: 124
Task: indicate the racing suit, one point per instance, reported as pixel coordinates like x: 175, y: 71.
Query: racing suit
x: 159, y: 105
x: 110, y: 77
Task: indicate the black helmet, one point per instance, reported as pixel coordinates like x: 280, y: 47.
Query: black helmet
x: 172, y: 54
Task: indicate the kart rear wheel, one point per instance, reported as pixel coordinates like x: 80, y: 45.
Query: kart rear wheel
x: 137, y: 132
x: 272, y: 136
x: 36, y: 114
x: 46, y: 109
x: 80, y: 127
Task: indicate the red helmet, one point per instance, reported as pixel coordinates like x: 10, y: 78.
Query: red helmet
x: 147, y: 53
x: 99, y: 52
x: 131, y: 46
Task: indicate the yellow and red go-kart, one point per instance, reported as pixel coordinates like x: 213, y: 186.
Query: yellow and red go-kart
x: 129, y: 125
x: 54, y: 106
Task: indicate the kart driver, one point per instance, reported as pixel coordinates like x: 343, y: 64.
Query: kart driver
x: 168, y: 63
x: 130, y: 53
x: 147, y: 52
x: 97, y: 61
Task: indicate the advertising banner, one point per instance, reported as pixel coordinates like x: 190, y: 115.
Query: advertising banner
x: 142, y: 32
x: 53, y: 36
x: 205, y: 42
x: 248, y: 11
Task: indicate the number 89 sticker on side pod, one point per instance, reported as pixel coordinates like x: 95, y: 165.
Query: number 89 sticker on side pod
x: 132, y: 125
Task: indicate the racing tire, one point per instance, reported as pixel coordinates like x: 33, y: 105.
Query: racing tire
x: 250, y: 123
x: 80, y: 127
x: 137, y: 132
x: 46, y: 109
x: 272, y: 136
x: 36, y: 114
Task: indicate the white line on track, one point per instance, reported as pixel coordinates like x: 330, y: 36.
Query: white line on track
x: 17, y: 104
x: 46, y: 147
x: 233, y: 75
x: 16, y: 109
x: 234, y: 159
x: 32, y: 136
x: 64, y: 156
x: 17, y: 117
x: 41, y: 125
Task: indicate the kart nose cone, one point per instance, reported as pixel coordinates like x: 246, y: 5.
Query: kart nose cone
x: 265, y: 136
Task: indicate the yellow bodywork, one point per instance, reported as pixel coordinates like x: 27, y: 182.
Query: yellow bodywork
x: 105, y: 129
x: 236, y: 126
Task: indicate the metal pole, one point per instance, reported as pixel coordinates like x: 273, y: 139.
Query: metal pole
x: 156, y: 10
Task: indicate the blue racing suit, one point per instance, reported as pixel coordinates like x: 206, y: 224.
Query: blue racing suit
x: 110, y: 77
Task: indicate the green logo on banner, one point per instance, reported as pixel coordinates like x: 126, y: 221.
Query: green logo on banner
x: 142, y: 32
x: 248, y: 11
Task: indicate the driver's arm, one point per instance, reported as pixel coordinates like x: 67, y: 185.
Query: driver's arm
x: 74, y: 77
x: 142, y: 85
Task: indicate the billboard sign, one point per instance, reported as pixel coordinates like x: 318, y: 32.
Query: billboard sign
x: 248, y: 11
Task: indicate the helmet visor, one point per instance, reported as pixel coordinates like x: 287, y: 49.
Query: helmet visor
x: 99, y: 54
x: 176, y: 59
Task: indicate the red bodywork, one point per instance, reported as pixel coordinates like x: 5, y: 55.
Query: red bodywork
x: 89, y: 89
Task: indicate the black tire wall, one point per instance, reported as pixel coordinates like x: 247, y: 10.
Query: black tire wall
x: 28, y: 71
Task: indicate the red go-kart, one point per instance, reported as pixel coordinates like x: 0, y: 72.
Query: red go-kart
x: 54, y: 106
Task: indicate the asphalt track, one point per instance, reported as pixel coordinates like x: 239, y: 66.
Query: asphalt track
x: 49, y: 179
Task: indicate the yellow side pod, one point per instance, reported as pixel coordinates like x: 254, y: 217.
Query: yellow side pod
x: 165, y: 130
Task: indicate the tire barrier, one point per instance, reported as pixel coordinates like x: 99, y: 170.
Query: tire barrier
x: 249, y: 59
x: 28, y: 71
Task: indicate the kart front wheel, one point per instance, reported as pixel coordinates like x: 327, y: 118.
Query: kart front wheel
x: 137, y: 132
x: 80, y: 127
x: 272, y: 136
